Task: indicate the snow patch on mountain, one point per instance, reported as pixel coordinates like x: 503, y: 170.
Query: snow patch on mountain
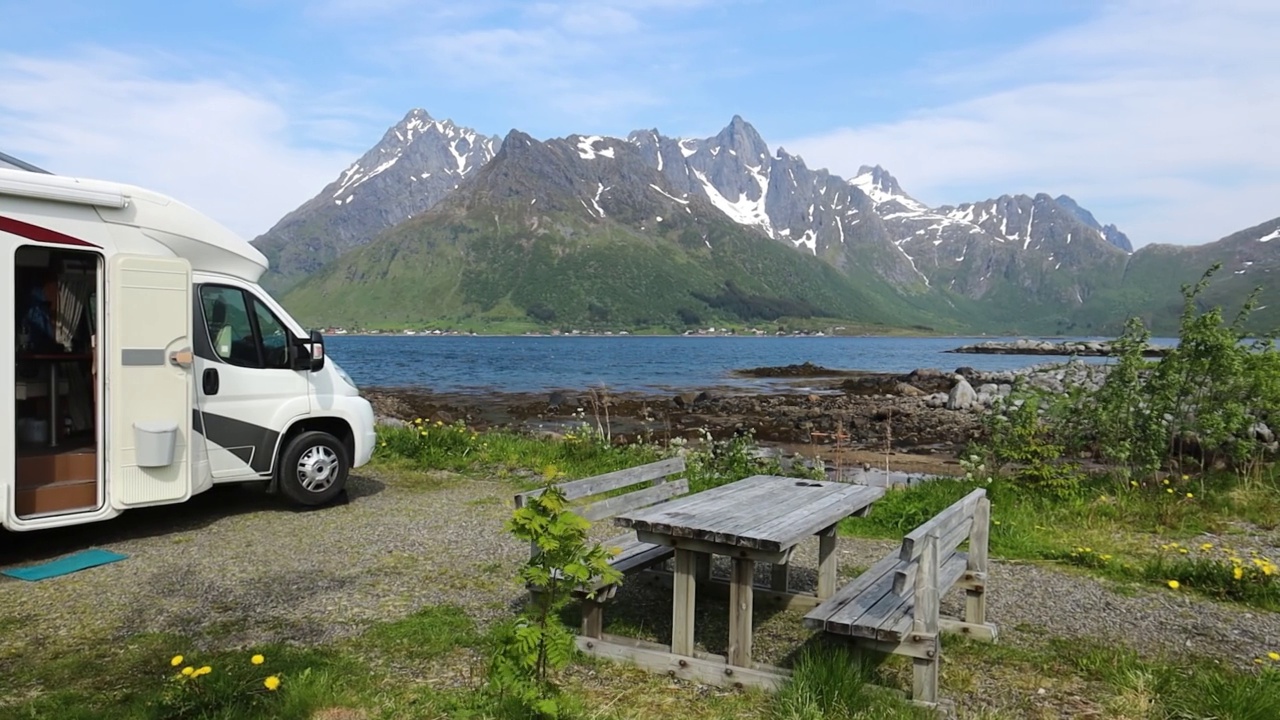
x: 665, y: 193
x: 1271, y: 236
x: 587, y: 148
x: 744, y: 210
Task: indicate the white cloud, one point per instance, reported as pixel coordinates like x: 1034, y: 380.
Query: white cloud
x: 1158, y: 117
x: 231, y: 151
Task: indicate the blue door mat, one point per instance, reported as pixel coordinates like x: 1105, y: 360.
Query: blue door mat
x: 64, y: 565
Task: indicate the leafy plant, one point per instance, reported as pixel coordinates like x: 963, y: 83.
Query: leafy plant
x: 536, y: 644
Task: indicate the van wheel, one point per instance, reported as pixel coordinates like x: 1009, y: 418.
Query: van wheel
x: 313, y: 468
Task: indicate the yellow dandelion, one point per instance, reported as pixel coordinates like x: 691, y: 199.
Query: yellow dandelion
x: 176, y: 661
x: 271, y: 683
x: 1186, y: 477
x: 1174, y: 584
x: 1166, y: 481
x: 1207, y: 546
x: 1238, y: 572
x: 1184, y: 551
x: 1190, y: 495
x: 1169, y: 490
x: 1275, y: 656
x: 257, y: 659
x: 188, y: 670
x: 1258, y: 660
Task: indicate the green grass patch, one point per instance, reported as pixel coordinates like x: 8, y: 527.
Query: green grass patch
x: 1112, y: 528
x: 426, y: 445
x: 838, y: 683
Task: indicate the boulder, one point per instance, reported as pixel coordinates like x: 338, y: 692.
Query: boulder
x: 961, y: 396
x: 908, y: 390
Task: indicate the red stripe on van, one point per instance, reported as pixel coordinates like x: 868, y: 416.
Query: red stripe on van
x: 39, y: 234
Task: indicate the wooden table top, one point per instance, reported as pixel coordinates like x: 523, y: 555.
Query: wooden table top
x: 764, y: 512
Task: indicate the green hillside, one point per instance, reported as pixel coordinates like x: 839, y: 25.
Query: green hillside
x: 503, y: 265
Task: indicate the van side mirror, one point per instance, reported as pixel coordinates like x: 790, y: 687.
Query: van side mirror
x: 309, y: 353
x: 317, y: 351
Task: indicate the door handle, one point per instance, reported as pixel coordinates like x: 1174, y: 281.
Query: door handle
x: 181, y: 357
x: 209, y: 381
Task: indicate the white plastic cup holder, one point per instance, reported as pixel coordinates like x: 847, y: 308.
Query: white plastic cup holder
x: 155, y: 443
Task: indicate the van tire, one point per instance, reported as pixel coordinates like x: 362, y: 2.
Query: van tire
x: 313, y: 468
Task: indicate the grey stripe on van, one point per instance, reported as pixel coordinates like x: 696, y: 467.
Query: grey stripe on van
x: 142, y: 356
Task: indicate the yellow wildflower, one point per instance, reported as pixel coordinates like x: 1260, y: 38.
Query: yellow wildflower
x: 1274, y: 655
x: 1186, y: 477
x: 1174, y: 584
x: 1166, y: 481
x: 176, y: 661
x: 1238, y: 572
x: 1207, y: 546
x: 257, y: 659
x: 1105, y: 557
x: 271, y: 683
x: 1184, y: 551
x: 1169, y: 490
x: 188, y: 670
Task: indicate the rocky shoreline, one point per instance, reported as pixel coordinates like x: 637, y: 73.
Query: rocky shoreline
x: 926, y: 411
x: 1079, y: 348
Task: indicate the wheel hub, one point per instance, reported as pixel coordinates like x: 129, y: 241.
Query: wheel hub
x: 317, y: 468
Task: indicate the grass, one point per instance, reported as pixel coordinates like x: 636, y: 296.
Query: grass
x: 432, y: 663
x: 1115, y: 529
x: 428, y: 445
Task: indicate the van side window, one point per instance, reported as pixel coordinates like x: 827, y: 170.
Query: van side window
x: 242, y: 330
x: 226, y: 315
x: 275, y: 338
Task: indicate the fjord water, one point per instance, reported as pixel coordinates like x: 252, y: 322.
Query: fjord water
x: 637, y: 363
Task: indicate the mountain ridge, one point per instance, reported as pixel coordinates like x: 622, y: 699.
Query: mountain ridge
x: 1012, y: 260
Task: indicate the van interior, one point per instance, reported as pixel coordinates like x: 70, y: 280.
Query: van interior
x: 57, y: 410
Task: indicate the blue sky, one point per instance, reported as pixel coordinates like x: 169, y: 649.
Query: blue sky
x: 1159, y: 116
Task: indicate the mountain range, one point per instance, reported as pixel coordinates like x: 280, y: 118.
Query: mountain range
x: 439, y: 224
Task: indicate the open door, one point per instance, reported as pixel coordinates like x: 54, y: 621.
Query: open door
x: 150, y: 384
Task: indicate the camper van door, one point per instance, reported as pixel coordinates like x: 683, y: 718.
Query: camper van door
x: 247, y: 389
x: 150, y: 378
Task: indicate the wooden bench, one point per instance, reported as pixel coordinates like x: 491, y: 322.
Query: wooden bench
x: 894, y: 606
x: 658, y: 482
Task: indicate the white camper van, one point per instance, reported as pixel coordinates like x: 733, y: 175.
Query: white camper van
x: 142, y: 363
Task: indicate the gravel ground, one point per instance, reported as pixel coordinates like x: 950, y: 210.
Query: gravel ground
x: 235, y: 567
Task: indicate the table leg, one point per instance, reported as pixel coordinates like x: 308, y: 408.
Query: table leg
x: 740, y: 597
x: 827, y: 563
x: 778, y: 577
x: 682, y: 603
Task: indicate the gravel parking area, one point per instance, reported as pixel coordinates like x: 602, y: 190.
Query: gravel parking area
x: 235, y: 567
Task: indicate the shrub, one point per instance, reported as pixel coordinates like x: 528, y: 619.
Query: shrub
x: 536, y: 644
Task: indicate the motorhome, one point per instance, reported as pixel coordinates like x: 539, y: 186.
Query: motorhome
x: 143, y: 364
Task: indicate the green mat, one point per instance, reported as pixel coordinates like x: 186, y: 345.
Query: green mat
x: 65, y: 565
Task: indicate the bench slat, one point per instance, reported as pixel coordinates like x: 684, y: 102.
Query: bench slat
x: 942, y: 523
x: 949, y: 574
x: 905, y: 577
x: 641, y: 498
x: 845, y: 620
x: 612, y: 481
x: 817, y: 618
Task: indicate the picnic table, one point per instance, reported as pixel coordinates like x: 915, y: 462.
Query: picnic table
x: 762, y: 518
